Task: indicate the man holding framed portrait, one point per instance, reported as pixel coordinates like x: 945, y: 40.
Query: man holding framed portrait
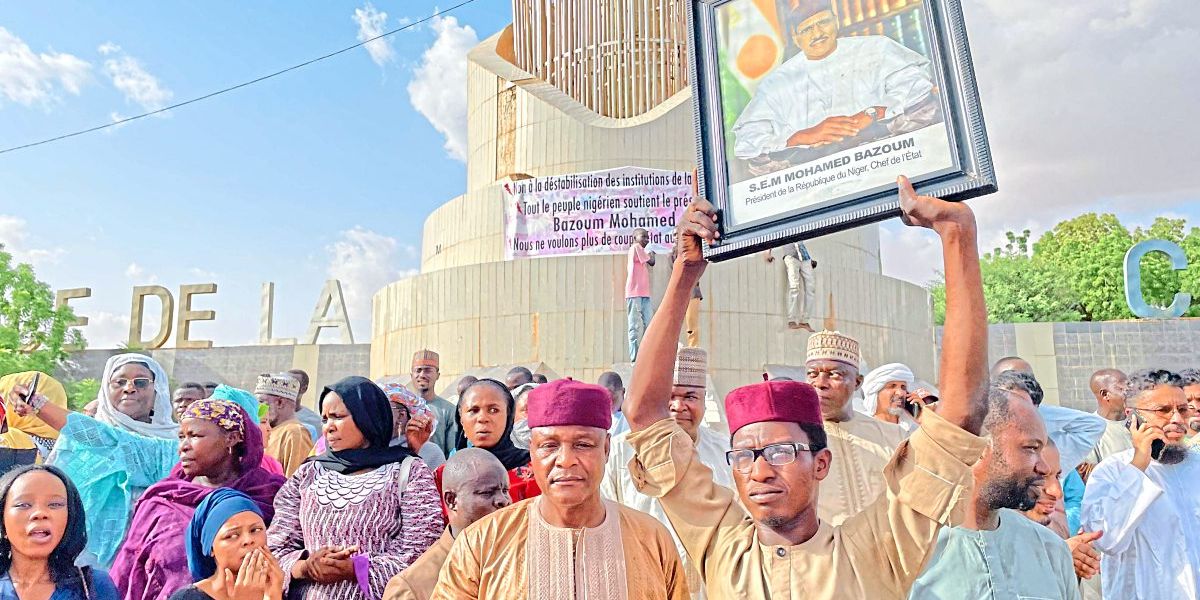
x: 808, y: 110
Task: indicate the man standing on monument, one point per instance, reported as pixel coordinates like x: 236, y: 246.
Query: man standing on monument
x: 772, y: 544
x: 426, y: 370
x: 637, y: 289
x: 802, y: 286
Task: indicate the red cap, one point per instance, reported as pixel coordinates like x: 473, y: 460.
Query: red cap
x: 569, y: 402
x: 787, y: 401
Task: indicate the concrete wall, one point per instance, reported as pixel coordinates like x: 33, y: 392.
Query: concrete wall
x: 1064, y: 355
x: 240, y: 366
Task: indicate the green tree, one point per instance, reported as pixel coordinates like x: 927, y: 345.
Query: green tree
x: 1017, y: 287
x: 1088, y: 253
x: 33, y: 333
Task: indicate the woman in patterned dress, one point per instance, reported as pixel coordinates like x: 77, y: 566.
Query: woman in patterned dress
x: 356, y: 515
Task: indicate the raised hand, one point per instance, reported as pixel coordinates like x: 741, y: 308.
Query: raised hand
x: 929, y: 212
x: 697, y: 227
x: 1144, y: 436
x: 418, y: 431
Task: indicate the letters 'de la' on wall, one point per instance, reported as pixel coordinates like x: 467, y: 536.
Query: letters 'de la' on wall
x: 330, y: 313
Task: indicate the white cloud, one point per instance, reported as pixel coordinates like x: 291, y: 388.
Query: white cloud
x: 137, y: 274
x: 365, y: 261
x: 202, y: 274
x: 438, y: 89
x: 29, y: 78
x: 1086, y: 107
x: 105, y: 329
x: 371, y: 24
x: 17, y: 241
x: 131, y: 79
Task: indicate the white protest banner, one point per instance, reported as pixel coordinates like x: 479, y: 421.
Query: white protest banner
x: 594, y: 213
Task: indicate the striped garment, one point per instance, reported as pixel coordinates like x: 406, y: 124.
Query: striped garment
x: 318, y: 508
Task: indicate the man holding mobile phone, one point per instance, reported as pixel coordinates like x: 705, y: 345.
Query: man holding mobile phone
x: 1146, y: 499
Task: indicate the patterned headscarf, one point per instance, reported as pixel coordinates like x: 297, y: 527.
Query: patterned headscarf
x: 222, y: 413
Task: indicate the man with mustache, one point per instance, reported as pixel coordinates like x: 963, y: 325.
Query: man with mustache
x: 1050, y: 511
x: 886, y: 396
x: 771, y: 544
x: 1191, y: 388
x: 835, y: 90
x: 1146, y: 500
x: 569, y: 542
x: 998, y: 552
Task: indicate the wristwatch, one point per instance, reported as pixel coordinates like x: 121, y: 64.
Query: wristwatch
x: 36, y: 402
x: 871, y: 112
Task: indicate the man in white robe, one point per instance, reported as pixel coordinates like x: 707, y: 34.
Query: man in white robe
x: 687, y: 410
x: 885, y: 395
x: 835, y: 88
x: 1147, y: 503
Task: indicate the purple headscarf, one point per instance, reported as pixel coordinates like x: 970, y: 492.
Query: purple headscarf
x: 152, y: 561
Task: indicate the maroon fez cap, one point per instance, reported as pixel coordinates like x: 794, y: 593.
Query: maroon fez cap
x: 569, y: 402
x: 788, y: 401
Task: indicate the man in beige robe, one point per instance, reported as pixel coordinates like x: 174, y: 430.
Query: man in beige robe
x: 861, y: 445
x: 568, y: 543
x: 777, y: 547
x: 474, y: 485
x: 289, y: 441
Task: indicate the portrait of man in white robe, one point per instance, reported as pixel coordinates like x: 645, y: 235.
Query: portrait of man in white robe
x: 835, y: 93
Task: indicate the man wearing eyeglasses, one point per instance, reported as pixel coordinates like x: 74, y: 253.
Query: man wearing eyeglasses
x: 777, y: 547
x: 1146, y: 500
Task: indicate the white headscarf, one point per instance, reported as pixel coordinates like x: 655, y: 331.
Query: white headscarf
x: 160, y: 425
x: 876, y: 380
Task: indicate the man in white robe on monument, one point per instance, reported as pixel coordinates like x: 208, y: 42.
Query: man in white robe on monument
x: 836, y: 89
x: 687, y: 411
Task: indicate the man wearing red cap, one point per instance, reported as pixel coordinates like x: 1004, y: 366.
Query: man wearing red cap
x: 777, y: 547
x: 569, y: 542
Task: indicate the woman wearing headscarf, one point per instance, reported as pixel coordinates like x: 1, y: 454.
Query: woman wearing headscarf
x: 258, y: 412
x: 41, y: 535
x: 354, y: 516
x: 28, y: 440
x: 227, y: 555
x: 219, y: 446
x: 129, y: 445
x: 485, y: 420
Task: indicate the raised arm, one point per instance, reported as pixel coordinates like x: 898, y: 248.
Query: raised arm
x: 51, y: 414
x: 650, y: 390
x: 964, y: 374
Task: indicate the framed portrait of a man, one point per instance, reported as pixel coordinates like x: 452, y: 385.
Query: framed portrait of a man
x: 807, y: 111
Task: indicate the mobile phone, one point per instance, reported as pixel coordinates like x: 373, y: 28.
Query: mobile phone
x: 1157, y: 446
x: 33, y: 385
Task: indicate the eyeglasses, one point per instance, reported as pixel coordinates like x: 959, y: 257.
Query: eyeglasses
x: 1166, y: 412
x: 140, y: 383
x: 776, y: 455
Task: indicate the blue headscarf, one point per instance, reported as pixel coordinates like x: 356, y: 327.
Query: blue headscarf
x: 242, y: 398
x: 216, y: 508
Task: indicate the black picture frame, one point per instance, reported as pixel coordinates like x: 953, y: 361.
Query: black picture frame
x: 969, y: 174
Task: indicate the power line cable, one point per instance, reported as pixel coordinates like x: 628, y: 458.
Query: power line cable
x: 238, y: 86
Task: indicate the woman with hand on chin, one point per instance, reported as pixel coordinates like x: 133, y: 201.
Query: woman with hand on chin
x: 227, y: 551
x: 357, y: 514
x: 41, y: 535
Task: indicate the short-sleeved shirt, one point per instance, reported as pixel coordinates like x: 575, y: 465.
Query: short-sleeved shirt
x: 637, y: 284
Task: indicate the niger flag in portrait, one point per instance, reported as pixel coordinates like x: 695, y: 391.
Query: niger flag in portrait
x: 750, y: 46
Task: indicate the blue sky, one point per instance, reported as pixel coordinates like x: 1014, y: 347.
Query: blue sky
x: 332, y: 169
x: 257, y: 185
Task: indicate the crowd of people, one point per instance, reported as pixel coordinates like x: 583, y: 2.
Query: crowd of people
x: 850, y: 484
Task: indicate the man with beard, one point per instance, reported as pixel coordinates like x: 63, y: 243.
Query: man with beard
x: 1146, y: 499
x: 885, y: 395
x: 765, y: 540
x: 997, y: 552
x: 1191, y: 388
x: 426, y: 369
